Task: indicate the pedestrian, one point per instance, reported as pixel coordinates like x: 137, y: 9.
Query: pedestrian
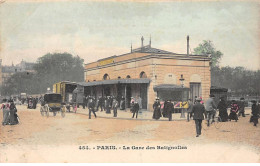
x: 114, y: 107
x: 13, y: 114
x: 241, y: 107
x: 132, y: 103
x: 222, y: 107
x: 198, y: 110
x: 139, y: 101
x: 255, y: 113
x: 91, y: 107
x: 122, y: 103
x: 233, y: 111
x: 108, y: 105
x: 189, y: 110
x: 34, y: 103
x: 210, y: 107
x: 6, y: 111
x: 169, y: 109
x: 100, y: 103
x: 135, y: 109
x: 157, y: 109
x: 164, y: 112
x: 84, y: 102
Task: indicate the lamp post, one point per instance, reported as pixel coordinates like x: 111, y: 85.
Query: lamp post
x: 182, y: 85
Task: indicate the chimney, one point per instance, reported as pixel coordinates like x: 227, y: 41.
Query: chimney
x: 142, y: 40
x: 188, y: 46
x: 150, y: 43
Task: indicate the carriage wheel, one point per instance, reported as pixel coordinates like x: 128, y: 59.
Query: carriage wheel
x: 42, y: 111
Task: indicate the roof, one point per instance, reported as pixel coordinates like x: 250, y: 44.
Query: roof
x: 149, y: 49
x: 169, y: 87
x: 117, y: 81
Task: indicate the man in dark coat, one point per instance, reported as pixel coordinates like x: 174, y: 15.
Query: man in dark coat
x: 168, y: 107
x: 222, y: 107
x: 241, y: 110
x: 135, y: 109
x: 255, y: 113
x: 91, y: 107
x: 115, y: 106
x: 198, y: 110
x: 100, y: 103
x: 34, y: 103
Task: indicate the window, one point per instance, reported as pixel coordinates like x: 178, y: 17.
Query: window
x: 143, y: 75
x: 106, y: 77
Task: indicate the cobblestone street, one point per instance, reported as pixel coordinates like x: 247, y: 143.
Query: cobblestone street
x: 57, y: 139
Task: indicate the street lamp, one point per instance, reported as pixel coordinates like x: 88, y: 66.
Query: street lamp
x: 182, y: 85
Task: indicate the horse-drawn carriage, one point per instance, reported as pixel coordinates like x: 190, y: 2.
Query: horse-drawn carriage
x: 52, y: 102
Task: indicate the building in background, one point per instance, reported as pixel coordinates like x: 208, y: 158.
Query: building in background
x: 8, y: 71
x: 149, y: 72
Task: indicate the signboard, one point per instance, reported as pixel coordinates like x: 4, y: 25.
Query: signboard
x: 105, y: 62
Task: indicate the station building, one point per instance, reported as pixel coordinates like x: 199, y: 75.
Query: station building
x: 149, y: 73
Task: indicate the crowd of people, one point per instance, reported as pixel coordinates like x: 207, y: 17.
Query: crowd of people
x: 197, y: 109
x: 10, y: 116
x: 108, y: 103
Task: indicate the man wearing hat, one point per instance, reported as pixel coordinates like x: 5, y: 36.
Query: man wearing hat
x: 210, y: 107
x: 169, y: 108
x: 198, y: 110
x: 91, y: 106
x: 241, y: 107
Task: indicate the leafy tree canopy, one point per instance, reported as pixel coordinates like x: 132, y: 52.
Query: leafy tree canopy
x: 206, y: 48
x: 49, y: 69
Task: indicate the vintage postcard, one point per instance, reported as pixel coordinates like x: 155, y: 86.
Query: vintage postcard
x: 129, y: 81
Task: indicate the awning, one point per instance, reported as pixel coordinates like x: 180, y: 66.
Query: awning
x: 118, y: 81
x: 218, y: 89
x: 170, y: 87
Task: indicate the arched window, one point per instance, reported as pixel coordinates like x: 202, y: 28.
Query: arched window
x: 143, y: 75
x: 128, y: 76
x: 118, y: 77
x: 106, y: 77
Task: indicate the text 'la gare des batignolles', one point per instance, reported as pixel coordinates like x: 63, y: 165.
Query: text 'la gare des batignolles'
x: 132, y: 147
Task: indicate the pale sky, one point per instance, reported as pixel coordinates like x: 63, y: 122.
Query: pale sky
x: 95, y: 30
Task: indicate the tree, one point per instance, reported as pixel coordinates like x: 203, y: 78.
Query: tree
x: 206, y: 48
x: 49, y: 69
x: 52, y: 68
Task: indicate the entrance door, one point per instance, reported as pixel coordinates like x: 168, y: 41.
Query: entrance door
x: 143, y: 95
x: 195, y: 90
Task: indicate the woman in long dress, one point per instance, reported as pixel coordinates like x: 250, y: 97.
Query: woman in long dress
x: 157, y: 109
x: 13, y: 116
x: 222, y: 107
x: 6, y: 110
